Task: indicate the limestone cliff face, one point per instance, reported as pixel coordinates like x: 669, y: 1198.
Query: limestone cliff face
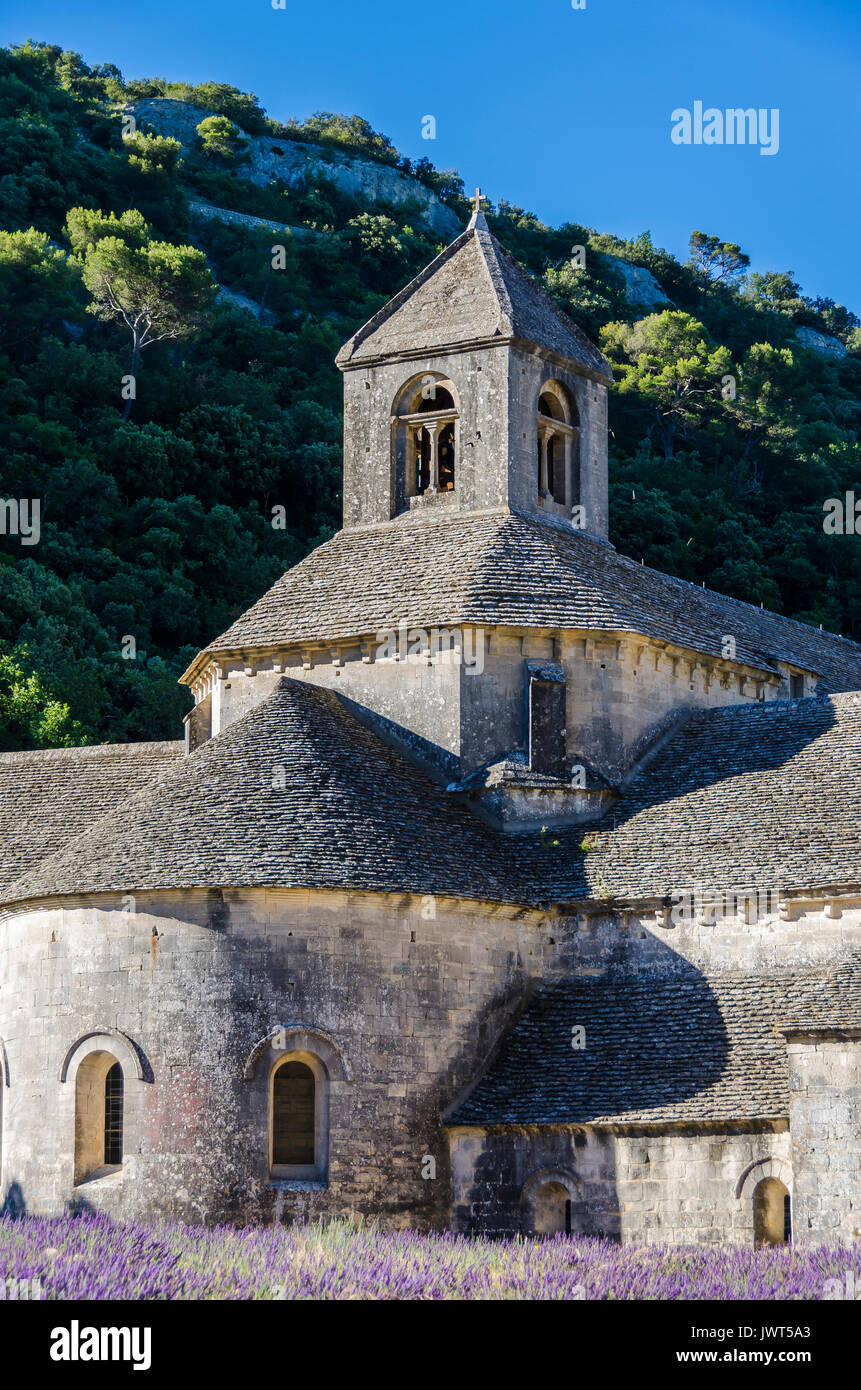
x: 641, y: 287
x: 823, y: 343
x: 271, y: 157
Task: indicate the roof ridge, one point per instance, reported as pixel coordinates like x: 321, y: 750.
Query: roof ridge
x: 488, y: 246
x: 535, y: 286
x: 83, y: 750
x: 391, y: 306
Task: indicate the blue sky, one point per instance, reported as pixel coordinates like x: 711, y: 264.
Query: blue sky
x: 565, y: 112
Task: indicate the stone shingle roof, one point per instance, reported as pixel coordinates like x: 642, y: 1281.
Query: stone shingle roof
x: 474, y: 292
x: 350, y: 812
x: 506, y: 568
x: 47, y: 798
x: 757, y: 795
x: 679, y: 1047
x: 748, y: 796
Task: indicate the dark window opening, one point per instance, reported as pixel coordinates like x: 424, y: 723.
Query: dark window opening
x: 555, y: 464
x: 546, y: 722
x: 787, y: 1218
x: 114, y: 1115
x: 422, y: 461
x: 445, y: 458
x: 796, y: 687
x: 568, y: 1217
x: 549, y: 405
x: 293, y: 1117
x: 558, y: 449
x: 438, y: 398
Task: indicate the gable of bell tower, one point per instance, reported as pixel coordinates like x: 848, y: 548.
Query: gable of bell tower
x: 471, y: 391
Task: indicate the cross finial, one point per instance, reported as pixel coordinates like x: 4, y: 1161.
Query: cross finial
x: 478, y: 200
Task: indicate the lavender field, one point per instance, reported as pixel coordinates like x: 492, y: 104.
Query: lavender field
x: 91, y: 1257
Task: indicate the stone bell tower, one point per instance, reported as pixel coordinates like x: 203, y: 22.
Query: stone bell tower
x: 472, y: 391
x: 475, y: 515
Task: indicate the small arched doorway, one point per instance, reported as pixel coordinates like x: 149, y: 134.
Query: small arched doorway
x: 551, y: 1203
x: 551, y: 1209
x: 772, y: 1213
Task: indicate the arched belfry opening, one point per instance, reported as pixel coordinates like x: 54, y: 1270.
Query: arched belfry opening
x: 558, y: 441
x: 426, y: 438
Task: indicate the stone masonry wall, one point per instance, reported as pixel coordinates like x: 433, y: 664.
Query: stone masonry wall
x: 372, y: 493
x: 410, y: 997
x: 678, y: 1187
x: 528, y: 372
x: 620, y: 692
x: 496, y: 443
x: 825, y: 1117
x: 412, y: 1002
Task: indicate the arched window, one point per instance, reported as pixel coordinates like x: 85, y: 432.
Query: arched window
x: 426, y: 439
x: 772, y: 1217
x: 299, y: 1118
x: 293, y: 1114
x: 98, y: 1116
x: 558, y: 449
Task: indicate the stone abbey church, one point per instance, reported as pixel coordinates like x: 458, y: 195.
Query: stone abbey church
x: 501, y: 883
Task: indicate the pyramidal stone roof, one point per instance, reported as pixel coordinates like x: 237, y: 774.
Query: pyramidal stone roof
x: 300, y: 794
x: 473, y: 293
x: 506, y: 568
x: 660, y: 1048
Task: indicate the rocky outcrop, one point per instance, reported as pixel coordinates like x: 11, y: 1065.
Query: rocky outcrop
x: 241, y: 301
x: 211, y: 213
x: 275, y: 157
x: 641, y: 287
x: 823, y: 343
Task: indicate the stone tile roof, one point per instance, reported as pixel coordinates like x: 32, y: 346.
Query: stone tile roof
x: 750, y: 796
x: 679, y: 1047
x: 351, y: 811
x: 48, y: 797
x: 746, y: 797
x: 503, y: 567
x: 474, y: 292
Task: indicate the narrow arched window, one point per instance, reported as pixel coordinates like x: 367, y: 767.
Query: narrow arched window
x: 98, y: 1116
x: 114, y: 1115
x: 293, y: 1102
x: 445, y: 458
x: 558, y: 445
